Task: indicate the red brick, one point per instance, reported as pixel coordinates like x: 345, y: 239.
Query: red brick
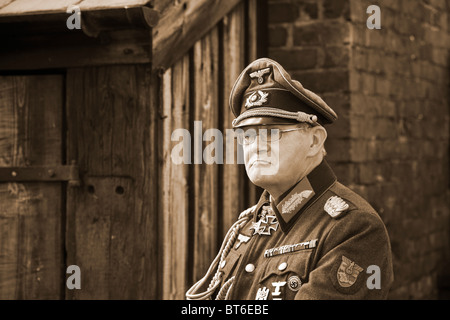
x: 322, y: 33
x: 308, y: 11
x: 368, y: 83
x: 336, y: 57
x: 346, y: 172
x: 338, y: 150
x: 277, y: 36
x: 324, y: 81
x: 336, y: 8
x: 282, y: 12
x: 391, y: 139
x: 297, y: 59
x: 340, y: 129
x: 394, y: 4
x: 358, y: 11
x: 374, y: 62
x: 376, y: 38
x: 413, y: 9
x: 359, y: 59
x: 339, y: 101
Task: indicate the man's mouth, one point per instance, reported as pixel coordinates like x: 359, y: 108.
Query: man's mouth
x: 260, y: 162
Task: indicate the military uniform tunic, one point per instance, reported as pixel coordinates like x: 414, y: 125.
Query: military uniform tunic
x: 320, y: 241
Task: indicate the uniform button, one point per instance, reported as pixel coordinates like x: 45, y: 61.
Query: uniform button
x: 250, y: 267
x: 223, y: 263
x: 282, y: 266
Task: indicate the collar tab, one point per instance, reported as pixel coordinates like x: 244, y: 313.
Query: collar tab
x: 303, y: 195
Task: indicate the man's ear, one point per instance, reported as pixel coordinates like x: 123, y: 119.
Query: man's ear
x: 318, y: 137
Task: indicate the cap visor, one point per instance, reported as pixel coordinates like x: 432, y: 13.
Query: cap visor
x: 261, y: 121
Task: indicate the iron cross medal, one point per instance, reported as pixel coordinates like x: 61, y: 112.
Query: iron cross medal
x: 266, y: 223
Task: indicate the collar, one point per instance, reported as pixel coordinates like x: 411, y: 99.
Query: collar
x: 301, y: 196
x: 263, y: 200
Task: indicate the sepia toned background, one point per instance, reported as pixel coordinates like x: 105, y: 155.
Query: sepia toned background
x: 86, y: 118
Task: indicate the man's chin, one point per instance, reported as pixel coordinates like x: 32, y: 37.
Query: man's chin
x: 261, y: 175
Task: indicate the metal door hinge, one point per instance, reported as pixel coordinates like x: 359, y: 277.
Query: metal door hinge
x: 68, y: 173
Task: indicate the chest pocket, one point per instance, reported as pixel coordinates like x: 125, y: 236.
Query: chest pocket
x: 284, y: 274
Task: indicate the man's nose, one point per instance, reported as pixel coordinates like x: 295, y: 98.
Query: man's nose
x: 259, y: 145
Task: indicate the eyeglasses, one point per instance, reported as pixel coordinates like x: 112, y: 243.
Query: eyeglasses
x: 265, y: 135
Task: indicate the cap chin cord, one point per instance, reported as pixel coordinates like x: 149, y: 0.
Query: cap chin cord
x: 273, y: 112
x: 227, y: 244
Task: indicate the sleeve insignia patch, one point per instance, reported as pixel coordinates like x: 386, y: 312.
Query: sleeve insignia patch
x: 348, y: 272
x: 335, y: 206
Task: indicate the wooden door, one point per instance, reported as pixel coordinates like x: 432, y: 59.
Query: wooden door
x: 112, y: 218
x: 32, y: 214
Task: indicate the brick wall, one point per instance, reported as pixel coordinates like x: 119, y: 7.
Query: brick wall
x: 390, y: 88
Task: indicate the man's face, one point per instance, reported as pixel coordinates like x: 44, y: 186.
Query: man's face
x: 281, y: 162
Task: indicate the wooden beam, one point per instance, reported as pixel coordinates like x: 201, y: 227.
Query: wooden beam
x: 182, y: 24
x: 39, y: 7
x: 99, y: 20
x: 75, y: 49
x: 109, y: 36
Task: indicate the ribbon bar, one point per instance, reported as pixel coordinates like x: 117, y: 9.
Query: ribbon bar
x: 290, y: 248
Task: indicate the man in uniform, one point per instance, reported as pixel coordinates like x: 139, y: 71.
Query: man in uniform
x: 309, y: 236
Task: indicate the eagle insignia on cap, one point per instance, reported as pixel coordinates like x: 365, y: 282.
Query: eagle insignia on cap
x: 260, y: 75
x: 335, y: 206
x: 257, y: 98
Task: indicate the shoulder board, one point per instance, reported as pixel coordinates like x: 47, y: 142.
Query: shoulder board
x: 335, y: 206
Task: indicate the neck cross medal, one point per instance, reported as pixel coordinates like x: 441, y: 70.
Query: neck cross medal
x: 266, y: 223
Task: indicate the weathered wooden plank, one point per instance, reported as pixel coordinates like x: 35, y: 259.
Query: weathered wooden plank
x: 174, y: 181
x: 108, y: 36
x: 26, y: 7
x: 74, y: 49
x: 105, y: 246
x: 91, y: 22
x: 21, y: 7
x: 252, y: 31
x: 4, y: 3
x: 31, y: 242
x: 233, y: 193
x: 123, y: 254
x: 182, y: 24
x: 255, y: 35
x: 112, y: 229
x: 99, y: 4
x: 205, y: 177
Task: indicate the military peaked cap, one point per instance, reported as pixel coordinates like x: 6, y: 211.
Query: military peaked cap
x: 265, y: 94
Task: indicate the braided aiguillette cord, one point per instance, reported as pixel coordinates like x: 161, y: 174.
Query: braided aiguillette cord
x: 225, y: 290
x: 224, y: 249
